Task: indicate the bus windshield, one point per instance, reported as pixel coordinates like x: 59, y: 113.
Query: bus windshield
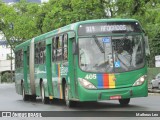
x: 111, y: 53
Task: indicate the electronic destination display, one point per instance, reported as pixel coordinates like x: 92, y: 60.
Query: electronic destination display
x: 110, y: 27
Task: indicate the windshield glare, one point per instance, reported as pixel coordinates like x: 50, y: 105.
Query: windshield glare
x: 111, y: 54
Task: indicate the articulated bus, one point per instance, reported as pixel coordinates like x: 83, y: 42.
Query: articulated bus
x: 93, y: 60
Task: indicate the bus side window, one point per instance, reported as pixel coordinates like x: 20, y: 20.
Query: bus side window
x: 59, y: 48
x: 42, y: 52
x: 39, y: 52
x: 53, y: 49
x: 21, y: 58
x: 65, y: 47
x: 36, y: 54
x: 28, y: 55
x: 16, y: 59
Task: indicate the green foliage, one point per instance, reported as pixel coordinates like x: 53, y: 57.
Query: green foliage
x: 32, y: 19
x: 152, y: 72
x: 147, y: 12
x: 25, y: 24
x: 64, y: 12
x: 6, y: 77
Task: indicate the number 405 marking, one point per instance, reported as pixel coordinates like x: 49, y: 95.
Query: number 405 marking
x: 91, y: 76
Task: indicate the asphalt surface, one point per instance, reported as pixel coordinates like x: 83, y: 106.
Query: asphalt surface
x: 11, y: 101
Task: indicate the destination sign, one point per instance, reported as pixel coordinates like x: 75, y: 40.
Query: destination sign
x: 112, y: 27
x: 106, y: 28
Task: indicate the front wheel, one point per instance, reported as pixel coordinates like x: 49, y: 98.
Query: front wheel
x: 68, y: 102
x: 124, y: 102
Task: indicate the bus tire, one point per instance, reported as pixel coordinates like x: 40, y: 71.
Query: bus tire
x: 24, y: 96
x: 124, y: 102
x: 33, y: 97
x: 68, y: 102
x: 45, y: 100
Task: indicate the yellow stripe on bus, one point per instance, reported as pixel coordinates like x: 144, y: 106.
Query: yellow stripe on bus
x: 59, y: 81
x: 61, y: 97
x: 111, y: 81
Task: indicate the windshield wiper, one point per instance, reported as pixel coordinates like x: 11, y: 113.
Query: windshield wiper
x: 98, y: 44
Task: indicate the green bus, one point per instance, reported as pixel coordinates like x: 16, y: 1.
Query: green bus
x: 93, y: 60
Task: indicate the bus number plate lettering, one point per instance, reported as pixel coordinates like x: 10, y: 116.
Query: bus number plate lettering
x: 90, y: 76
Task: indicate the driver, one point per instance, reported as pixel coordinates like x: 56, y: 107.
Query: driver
x: 123, y: 57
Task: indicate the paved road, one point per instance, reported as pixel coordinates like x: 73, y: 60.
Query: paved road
x: 11, y: 101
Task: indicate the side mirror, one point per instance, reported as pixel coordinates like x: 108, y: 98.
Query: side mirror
x: 147, y: 50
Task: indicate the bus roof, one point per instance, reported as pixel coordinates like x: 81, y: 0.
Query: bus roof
x: 69, y: 27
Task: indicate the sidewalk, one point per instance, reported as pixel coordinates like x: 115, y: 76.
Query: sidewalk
x: 153, y: 90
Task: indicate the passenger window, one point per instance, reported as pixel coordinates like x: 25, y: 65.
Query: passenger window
x: 59, y: 48
x: 28, y: 49
x: 53, y: 49
x: 40, y: 54
x: 65, y: 47
x: 19, y: 59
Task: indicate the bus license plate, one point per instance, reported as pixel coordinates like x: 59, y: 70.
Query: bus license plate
x: 117, y: 97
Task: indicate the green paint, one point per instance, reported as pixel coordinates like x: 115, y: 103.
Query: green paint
x: 48, y: 69
x: 25, y: 70
x: 53, y: 80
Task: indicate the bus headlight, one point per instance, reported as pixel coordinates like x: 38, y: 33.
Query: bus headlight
x: 86, y: 84
x: 140, y: 81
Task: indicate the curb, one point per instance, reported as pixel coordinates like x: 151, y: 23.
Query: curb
x: 153, y: 91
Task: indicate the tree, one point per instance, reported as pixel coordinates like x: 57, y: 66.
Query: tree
x: 31, y: 19
x: 24, y: 20
x: 147, y: 12
x: 7, y: 14
x: 64, y: 12
x: 25, y: 24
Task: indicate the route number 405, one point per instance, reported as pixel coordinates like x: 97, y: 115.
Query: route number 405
x: 91, y: 76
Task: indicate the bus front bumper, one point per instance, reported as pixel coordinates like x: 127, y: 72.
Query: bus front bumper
x: 110, y: 94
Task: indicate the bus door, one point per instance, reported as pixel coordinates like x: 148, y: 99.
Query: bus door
x: 56, y: 66
x: 72, y: 78
x: 25, y: 68
x: 48, y: 67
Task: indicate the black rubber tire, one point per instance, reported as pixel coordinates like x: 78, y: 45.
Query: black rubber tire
x: 124, y: 102
x: 32, y: 97
x: 24, y: 96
